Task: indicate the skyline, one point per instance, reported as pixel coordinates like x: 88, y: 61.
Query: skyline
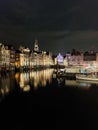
x: 59, y: 26
x: 71, y: 51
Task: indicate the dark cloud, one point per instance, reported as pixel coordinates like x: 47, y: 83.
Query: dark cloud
x: 62, y: 41
x: 58, y: 24
x: 40, y: 15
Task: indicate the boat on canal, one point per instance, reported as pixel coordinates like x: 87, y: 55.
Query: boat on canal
x: 87, y: 77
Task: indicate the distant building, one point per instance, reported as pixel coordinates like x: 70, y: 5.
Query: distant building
x: 24, y: 57
x: 74, y: 59
x: 88, y: 59
x: 89, y: 56
x: 36, y: 48
x: 7, y: 57
x: 59, y: 60
x: 40, y: 58
x: 17, y: 59
x: 12, y: 57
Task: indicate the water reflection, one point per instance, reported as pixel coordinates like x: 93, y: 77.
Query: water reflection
x: 74, y: 83
x: 23, y: 80
x: 34, y: 78
x: 26, y: 81
x: 7, y: 83
x: 61, y: 81
x: 41, y: 78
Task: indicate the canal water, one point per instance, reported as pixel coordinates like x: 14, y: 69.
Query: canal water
x: 39, y: 99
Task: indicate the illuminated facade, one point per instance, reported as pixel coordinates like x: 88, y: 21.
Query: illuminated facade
x: 86, y: 59
x: 7, y: 57
x: 59, y: 60
x: 74, y: 59
x: 24, y: 57
x: 40, y: 58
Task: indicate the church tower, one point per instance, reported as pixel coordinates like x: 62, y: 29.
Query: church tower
x: 36, y: 48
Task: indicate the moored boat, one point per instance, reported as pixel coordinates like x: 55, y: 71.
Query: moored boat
x: 90, y: 77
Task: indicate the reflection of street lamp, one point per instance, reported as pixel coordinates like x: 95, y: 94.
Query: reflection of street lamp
x: 17, y: 64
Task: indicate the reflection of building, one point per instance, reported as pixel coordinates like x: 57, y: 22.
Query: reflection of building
x: 7, y: 83
x: 24, y: 81
x: 40, y: 78
x: 61, y: 81
x: 74, y: 83
x: 34, y: 78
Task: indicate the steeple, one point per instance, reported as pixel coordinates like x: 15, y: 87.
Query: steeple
x: 36, y: 48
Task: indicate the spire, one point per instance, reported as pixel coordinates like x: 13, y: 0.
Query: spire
x: 36, y: 48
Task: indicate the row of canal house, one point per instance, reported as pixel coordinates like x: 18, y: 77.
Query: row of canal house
x: 85, y: 61
x: 7, y: 57
x: 23, y: 58
x: 88, y: 59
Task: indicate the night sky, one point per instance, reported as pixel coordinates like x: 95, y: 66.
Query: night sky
x: 59, y: 25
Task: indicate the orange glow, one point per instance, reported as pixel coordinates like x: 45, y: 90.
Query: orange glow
x: 37, y: 79
x: 41, y: 78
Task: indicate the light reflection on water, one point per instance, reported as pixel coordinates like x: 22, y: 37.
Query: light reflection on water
x: 75, y: 83
x: 41, y: 78
x: 36, y: 79
x: 7, y: 83
x: 29, y: 103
